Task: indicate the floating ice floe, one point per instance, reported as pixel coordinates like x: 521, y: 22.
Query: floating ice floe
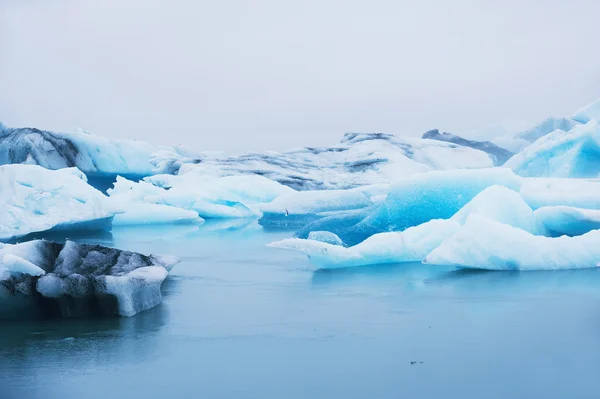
x: 42, y: 278
x: 34, y: 199
x: 483, y: 243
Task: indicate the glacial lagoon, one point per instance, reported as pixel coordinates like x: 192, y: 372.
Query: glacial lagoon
x: 242, y: 320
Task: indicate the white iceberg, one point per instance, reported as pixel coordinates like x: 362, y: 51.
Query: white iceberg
x: 578, y: 193
x: 483, y: 243
x: 35, y: 199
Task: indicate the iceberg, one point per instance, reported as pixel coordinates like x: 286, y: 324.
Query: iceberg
x: 420, y: 198
x: 201, y: 196
x: 35, y: 199
x: 76, y: 280
x: 93, y: 155
x: 575, y: 153
x: 145, y: 214
x: 360, y: 159
x: 326, y: 249
x: 411, y: 245
x: 567, y: 220
x: 486, y: 244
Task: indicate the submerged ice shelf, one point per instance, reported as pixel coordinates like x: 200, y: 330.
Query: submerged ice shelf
x: 42, y: 278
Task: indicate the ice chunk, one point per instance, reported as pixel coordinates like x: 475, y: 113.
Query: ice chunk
x: 589, y: 112
x: 483, y: 243
x: 82, y: 280
x: 566, y: 220
x: 326, y: 237
x: 35, y: 199
x: 503, y: 205
x: 411, y: 245
x: 575, y: 153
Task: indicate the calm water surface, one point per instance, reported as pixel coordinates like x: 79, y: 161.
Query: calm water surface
x: 241, y: 320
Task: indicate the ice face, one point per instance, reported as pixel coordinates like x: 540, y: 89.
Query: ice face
x: 81, y: 280
x: 567, y: 220
x: 35, y: 199
x: 499, y: 154
x: 483, y: 243
x: 589, y: 112
x: 575, y: 153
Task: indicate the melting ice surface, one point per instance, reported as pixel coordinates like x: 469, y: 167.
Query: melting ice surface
x: 240, y: 319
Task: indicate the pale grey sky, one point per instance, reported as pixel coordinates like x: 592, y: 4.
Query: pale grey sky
x: 274, y: 74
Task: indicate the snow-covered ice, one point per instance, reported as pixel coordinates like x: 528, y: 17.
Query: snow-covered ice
x: 80, y: 280
x: 483, y: 243
x: 588, y: 112
x: 35, y: 199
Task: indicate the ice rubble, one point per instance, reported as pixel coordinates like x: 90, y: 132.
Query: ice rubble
x: 74, y: 280
x: 94, y: 155
x: 575, y: 153
x: 483, y: 243
x: 34, y: 199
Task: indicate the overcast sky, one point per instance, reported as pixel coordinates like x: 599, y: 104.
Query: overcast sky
x: 253, y: 75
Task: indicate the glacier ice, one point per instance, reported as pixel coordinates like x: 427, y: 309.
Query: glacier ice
x: 502, y: 205
x: 579, y: 193
x: 588, y: 112
x: 483, y: 243
x: 575, y: 153
x: 420, y: 198
x: 567, y: 220
x: 206, y: 196
x: 326, y: 237
x: 35, y: 199
x: 94, y: 155
x: 142, y: 214
x: 411, y: 245
x: 499, y: 154
x: 76, y: 280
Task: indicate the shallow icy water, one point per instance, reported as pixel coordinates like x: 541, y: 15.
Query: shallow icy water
x: 241, y: 320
